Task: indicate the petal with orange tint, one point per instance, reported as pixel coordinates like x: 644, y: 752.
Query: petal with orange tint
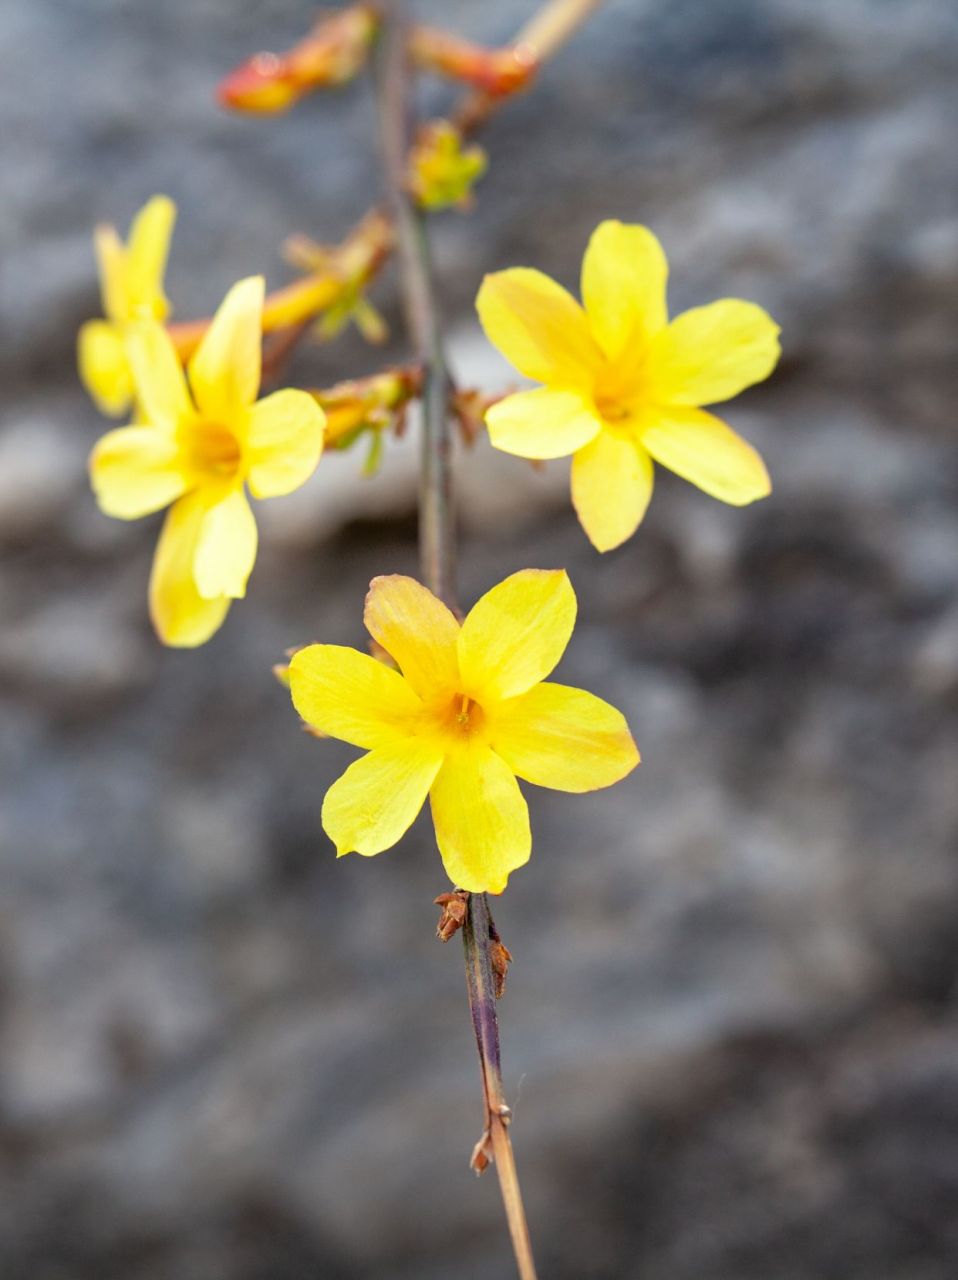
x: 416, y: 630
x: 563, y: 738
x: 225, y: 368
x: 351, y: 696
x: 226, y: 551
x: 148, y: 246
x: 158, y: 375
x: 376, y: 800
x: 284, y: 442
x: 712, y: 353
x: 538, y: 327
x: 111, y: 264
x: 180, y: 614
x: 701, y: 449
x: 104, y: 366
x: 542, y: 423
x: 481, y: 819
x: 624, y: 274
x: 514, y: 636
x: 136, y: 470
x: 611, y: 488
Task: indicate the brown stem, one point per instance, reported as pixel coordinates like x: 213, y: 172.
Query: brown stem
x: 437, y: 550
x: 436, y: 530
x: 495, y: 1144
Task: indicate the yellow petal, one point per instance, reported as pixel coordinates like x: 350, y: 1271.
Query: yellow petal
x: 158, y: 375
x: 538, y: 327
x: 226, y: 550
x: 624, y: 274
x: 104, y: 366
x: 516, y: 634
x: 148, y: 246
x: 542, y: 423
x: 349, y: 695
x: 111, y: 263
x: 377, y: 799
x: 481, y: 820
x: 180, y: 614
x: 225, y: 368
x: 712, y: 353
x: 563, y: 738
x: 611, y: 488
x: 136, y: 470
x: 703, y: 450
x: 416, y: 630
x: 284, y: 442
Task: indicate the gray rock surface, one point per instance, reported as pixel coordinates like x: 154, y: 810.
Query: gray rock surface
x: 731, y: 1028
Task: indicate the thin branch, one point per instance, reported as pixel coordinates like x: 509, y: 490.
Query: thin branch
x: 437, y: 549
x: 478, y: 933
x: 554, y: 24
x: 436, y: 531
x: 537, y: 41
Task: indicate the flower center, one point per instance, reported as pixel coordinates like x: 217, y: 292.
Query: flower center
x: 462, y: 716
x: 214, y: 449
x: 611, y: 409
x: 617, y: 390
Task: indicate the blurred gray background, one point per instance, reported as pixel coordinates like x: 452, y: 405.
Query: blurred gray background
x: 731, y: 1024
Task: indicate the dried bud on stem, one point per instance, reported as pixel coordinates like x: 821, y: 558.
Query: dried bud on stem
x: 469, y: 407
x: 500, y: 957
x: 454, y: 907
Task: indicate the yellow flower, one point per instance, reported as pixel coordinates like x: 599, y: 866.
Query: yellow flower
x: 131, y: 285
x: 623, y: 386
x: 467, y: 713
x: 198, y: 451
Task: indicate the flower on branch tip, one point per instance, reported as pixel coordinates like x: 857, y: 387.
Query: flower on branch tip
x: 623, y: 385
x: 131, y: 286
x: 442, y: 172
x: 197, y: 446
x: 468, y: 712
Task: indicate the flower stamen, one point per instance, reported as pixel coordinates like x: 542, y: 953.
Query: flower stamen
x: 214, y: 448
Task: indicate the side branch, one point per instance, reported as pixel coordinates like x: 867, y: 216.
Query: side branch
x: 540, y: 39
